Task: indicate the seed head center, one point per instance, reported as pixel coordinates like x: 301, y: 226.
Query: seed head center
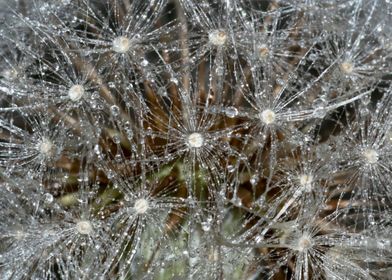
x: 45, y: 147
x: 370, y: 155
x: 268, y: 116
x: 305, y: 181
x: 347, y: 67
x: 84, y: 227
x: 141, y: 206
x: 217, y: 37
x: 121, y: 44
x: 304, y: 243
x: 195, y: 140
x: 76, y: 92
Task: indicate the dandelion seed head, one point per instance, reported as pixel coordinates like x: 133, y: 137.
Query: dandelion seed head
x: 268, y: 116
x: 370, y: 156
x: 141, y: 206
x: 84, y: 227
x: 347, y: 67
x: 121, y: 44
x: 45, y: 147
x: 76, y: 92
x: 217, y: 37
x: 195, y: 140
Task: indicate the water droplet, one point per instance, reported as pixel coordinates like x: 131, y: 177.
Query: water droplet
x: 231, y: 112
x: 116, y: 139
x: 254, y: 180
x: 114, y: 110
x: 144, y: 63
x: 205, y: 226
x: 48, y: 198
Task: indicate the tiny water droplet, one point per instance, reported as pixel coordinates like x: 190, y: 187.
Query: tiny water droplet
x: 48, y: 198
x: 115, y: 110
x: 231, y: 112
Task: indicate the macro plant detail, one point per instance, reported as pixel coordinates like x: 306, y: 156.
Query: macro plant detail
x: 184, y: 139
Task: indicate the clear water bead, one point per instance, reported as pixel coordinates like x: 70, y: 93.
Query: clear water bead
x: 121, y: 44
x: 48, y: 198
x: 76, y: 92
x: 84, y: 227
x: 268, y: 116
x: 114, y: 110
x: 141, y: 206
x: 231, y: 112
x: 217, y: 37
x: 195, y: 140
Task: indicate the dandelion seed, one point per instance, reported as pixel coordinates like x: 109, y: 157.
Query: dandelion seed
x: 76, y: 92
x: 141, y: 206
x: 217, y: 37
x: 195, y: 140
x: 121, y: 44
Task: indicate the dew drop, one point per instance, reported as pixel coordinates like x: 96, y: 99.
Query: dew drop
x: 114, y: 110
x: 48, y: 198
x: 144, y: 62
x: 231, y: 112
x: 205, y: 226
